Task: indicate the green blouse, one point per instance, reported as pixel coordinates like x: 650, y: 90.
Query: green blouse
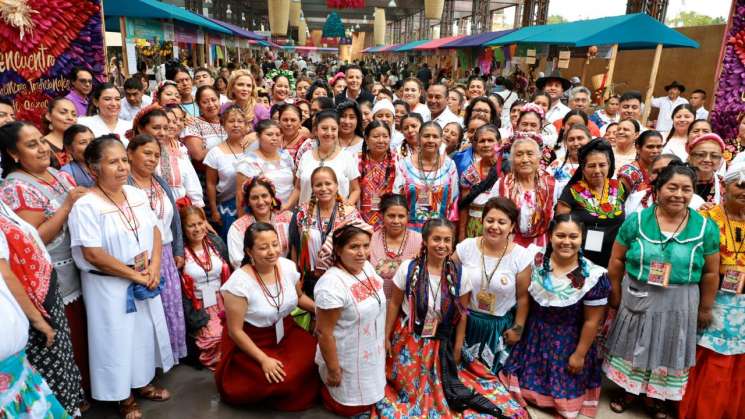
x: 686, y: 252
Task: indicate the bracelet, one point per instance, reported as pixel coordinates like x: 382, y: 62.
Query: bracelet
x: 518, y: 329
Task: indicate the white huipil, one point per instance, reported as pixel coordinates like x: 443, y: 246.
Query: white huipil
x: 125, y: 348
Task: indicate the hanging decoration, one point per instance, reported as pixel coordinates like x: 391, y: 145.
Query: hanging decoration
x: 729, y: 103
x: 279, y: 16
x: 379, y: 27
x: 345, y: 4
x: 302, y: 33
x: 433, y: 9
x: 333, y: 28
x: 295, y: 10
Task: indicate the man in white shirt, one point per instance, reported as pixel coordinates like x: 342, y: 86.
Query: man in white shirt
x: 437, y: 102
x: 666, y: 104
x: 630, y: 107
x: 134, y: 98
x: 203, y: 77
x: 698, y: 99
x: 554, y: 85
x: 509, y: 98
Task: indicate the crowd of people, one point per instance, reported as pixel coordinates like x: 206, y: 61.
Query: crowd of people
x: 388, y: 244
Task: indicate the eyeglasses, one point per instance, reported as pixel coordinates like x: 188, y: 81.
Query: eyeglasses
x: 703, y: 155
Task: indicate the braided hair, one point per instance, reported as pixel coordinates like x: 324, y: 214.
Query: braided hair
x: 564, y: 129
x: 314, y: 200
x: 390, y: 166
x: 583, y: 270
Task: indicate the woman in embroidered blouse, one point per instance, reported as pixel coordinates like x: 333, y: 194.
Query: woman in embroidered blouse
x: 262, y: 205
x: 351, y: 305
x: 393, y: 242
x: 635, y: 175
x: 242, y: 91
x: 556, y: 364
x: 143, y: 153
x: 474, y: 166
x: 268, y: 160
x: 705, y: 155
x: 377, y: 166
x: 293, y: 134
x: 499, y: 272
x: 624, y: 151
x: 563, y: 169
x: 262, y: 339
x: 677, y: 139
x: 60, y: 116
x: 117, y: 246
x: 203, y: 273
x: 311, y: 226
x: 205, y: 131
x: 175, y: 166
x: 595, y: 199
x: 529, y: 187
x: 411, y: 124
x: 328, y: 154
x: 220, y: 171
x: 717, y: 382
x: 76, y: 139
x: 44, y: 197
x: 425, y: 330
x: 664, y: 274
x: 428, y: 180
x: 350, y: 127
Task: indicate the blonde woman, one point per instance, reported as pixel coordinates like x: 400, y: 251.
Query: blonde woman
x: 242, y: 92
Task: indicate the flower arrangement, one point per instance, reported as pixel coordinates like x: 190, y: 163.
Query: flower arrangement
x: 730, y: 101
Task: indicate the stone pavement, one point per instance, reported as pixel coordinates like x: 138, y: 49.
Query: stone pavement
x: 195, y: 397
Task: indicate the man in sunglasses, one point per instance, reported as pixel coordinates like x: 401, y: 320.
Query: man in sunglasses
x: 81, y: 85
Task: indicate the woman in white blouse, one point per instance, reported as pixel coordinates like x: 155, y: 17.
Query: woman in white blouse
x: 117, y: 246
x: 499, y: 272
x: 263, y: 340
x: 350, y: 305
x: 329, y: 153
x: 104, y: 113
x: 269, y: 160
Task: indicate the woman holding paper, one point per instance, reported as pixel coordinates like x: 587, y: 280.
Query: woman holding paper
x: 664, y: 271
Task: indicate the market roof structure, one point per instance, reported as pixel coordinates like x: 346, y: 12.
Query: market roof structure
x: 238, y: 31
x: 153, y: 9
x: 409, y: 46
x: 478, y: 40
x: 436, y: 43
x: 630, y: 32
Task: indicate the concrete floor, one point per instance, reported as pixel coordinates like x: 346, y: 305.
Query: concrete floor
x: 195, y: 397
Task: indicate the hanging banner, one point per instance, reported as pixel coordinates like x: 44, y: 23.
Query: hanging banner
x: 185, y: 34
x: 38, y: 51
x: 144, y: 29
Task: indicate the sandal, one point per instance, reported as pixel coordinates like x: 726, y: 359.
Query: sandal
x: 657, y: 409
x: 129, y: 409
x: 156, y: 394
x: 621, y: 403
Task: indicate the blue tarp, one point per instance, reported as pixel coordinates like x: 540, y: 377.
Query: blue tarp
x: 153, y: 9
x: 238, y: 31
x: 634, y: 31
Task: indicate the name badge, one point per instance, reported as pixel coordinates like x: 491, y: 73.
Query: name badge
x: 279, y: 330
x: 486, y: 301
x: 375, y: 203
x: 422, y: 199
x: 594, y: 241
x: 209, y: 295
x: 733, y: 281
x: 430, y: 325
x: 659, y: 273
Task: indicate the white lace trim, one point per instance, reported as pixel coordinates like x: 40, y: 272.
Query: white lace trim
x: 563, y: 294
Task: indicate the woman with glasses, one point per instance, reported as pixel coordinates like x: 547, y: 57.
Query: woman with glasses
x: 705, y: 155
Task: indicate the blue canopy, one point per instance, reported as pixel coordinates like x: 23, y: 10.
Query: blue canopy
x: 153, y: 9
x: 475, y: 41
x: 238, y: 31
x: 634, y: 31
x: 409, y: 46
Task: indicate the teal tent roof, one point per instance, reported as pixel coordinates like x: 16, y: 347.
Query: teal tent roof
x: 153, y: 9
x: 373, y: 49
x: 409, y: 46
x: 634, y: 31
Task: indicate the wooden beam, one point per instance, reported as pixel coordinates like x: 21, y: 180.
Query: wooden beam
x: 611, y: 69
x: 650, y: 86
x: 125, y: 59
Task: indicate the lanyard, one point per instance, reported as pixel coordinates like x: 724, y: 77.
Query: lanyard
x: 667, y: 241
x: 273, y: 300
x: 133, y: 226
x: 488, y: 277
x: 50, y: 185
x: 319, y: 223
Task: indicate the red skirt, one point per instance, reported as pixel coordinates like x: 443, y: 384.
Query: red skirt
x: 240, y: 379
x: 76, y: 320
x: 716, y: 387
